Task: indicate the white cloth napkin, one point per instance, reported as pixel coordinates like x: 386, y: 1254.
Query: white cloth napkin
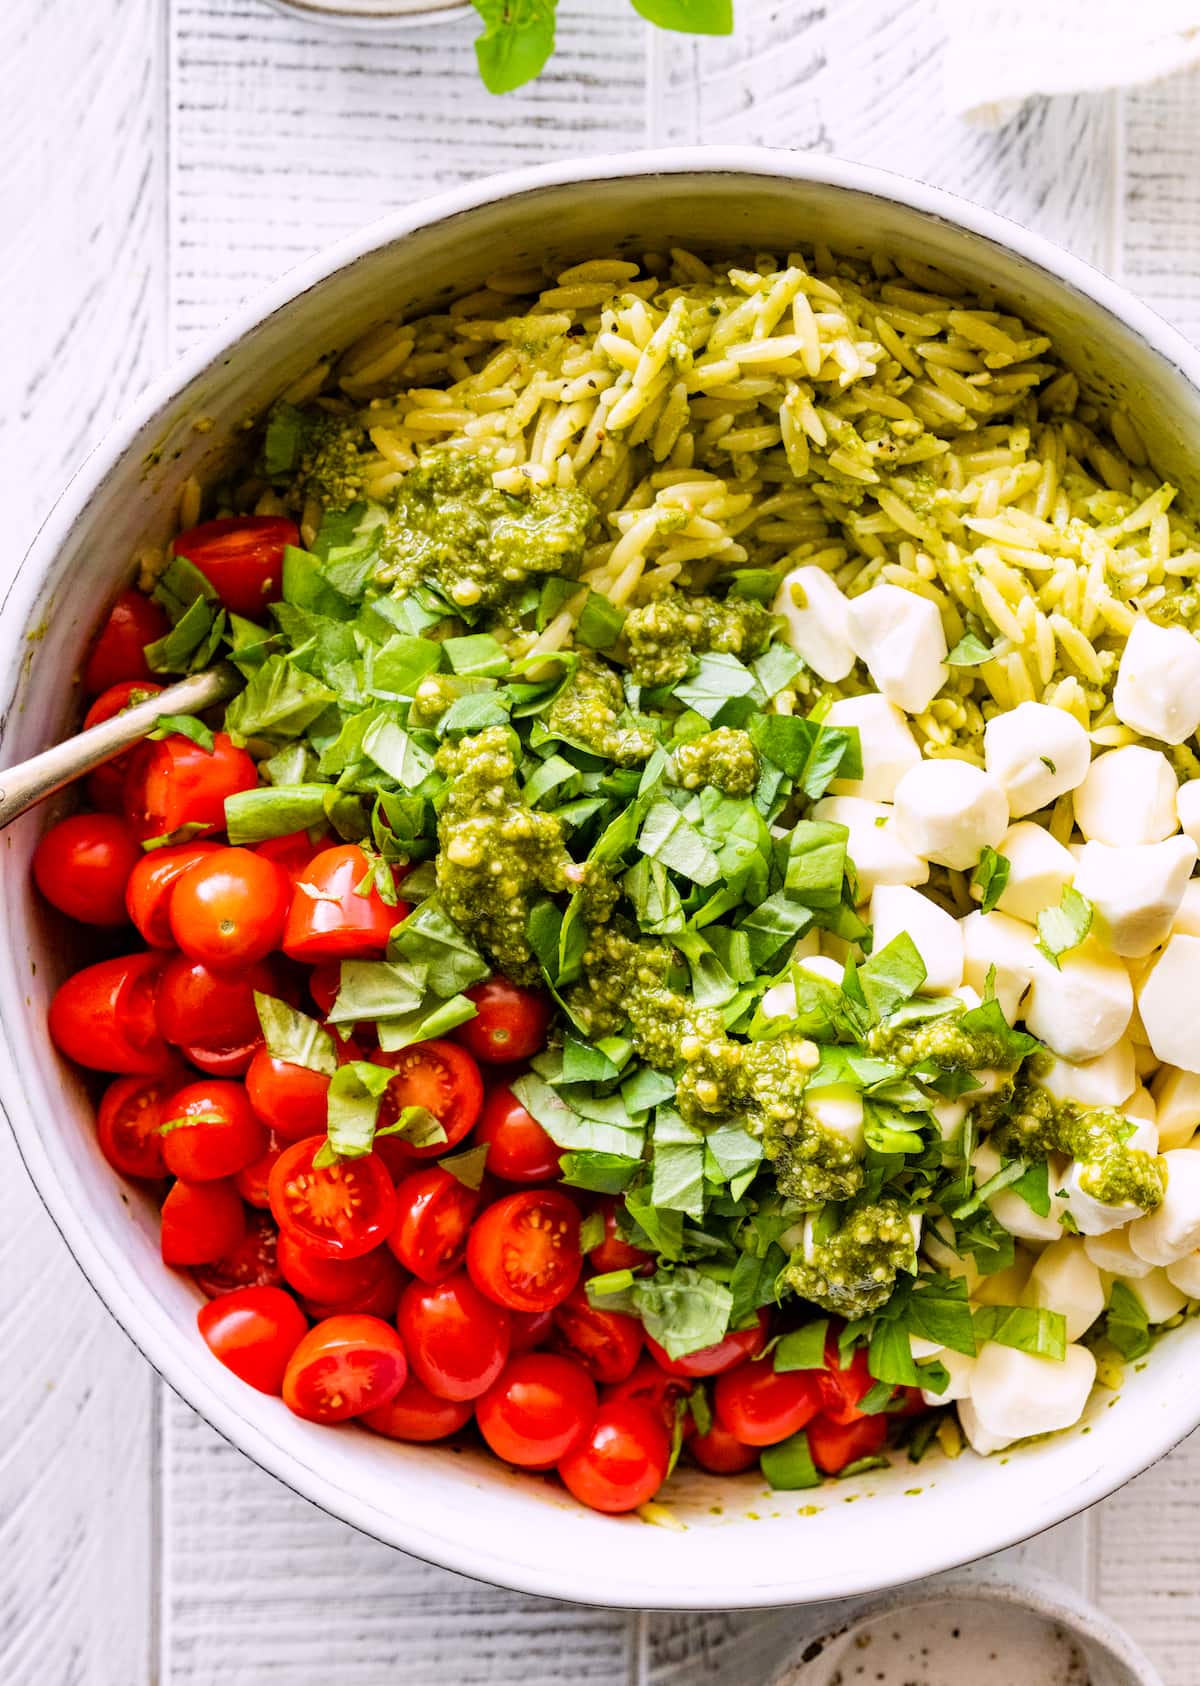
x: 1000, y: 52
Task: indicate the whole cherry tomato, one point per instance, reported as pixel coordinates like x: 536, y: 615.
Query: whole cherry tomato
x: 519, y: 1150
x: 530, y: 1329
x: 523, y: 1251
x: 537, y: 1409
x: 834, y: 1445
x: 293, y: 851
x: 722, y: 1355
x: 106, y: 786
x: 241, y: 557
x: 127, y: 1124
x: 614, y: 1252
x: 651, y: 1386
x: 201, y: 1222
x: 152, y: 884
x: 290, y: 1099
x: 456, y: 1339
x: 104, y: 1017
x: 120, y: 648
x: 510, y: 1021
x: 228, y: 909
x: 175, y: 783
x: 621, y: 1461
x: 337, y: 1211
x: 607, y: 1343
x: 761, y: 1407
x: 442, y: 1078
x: 82, y: 865
x: 433, y: 1217
x: 719, y: 1452
x: 348, y: 1283
x: 254, y: 1331
x: 416, y: 1414
x: 252, y: 1263
x: 199, y: 1006
x: 336, y: 911
x: 210, y: 1131
x: 343, y: 1366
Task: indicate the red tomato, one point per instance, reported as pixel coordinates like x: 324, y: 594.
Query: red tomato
x: 524, y: 1250
x: 201, y: 1222
x: 519, y: 1150
x: 841, y: 1389
x: 222, y: 1135
x: 336, y: 1281
x: 416, y: 1414
x: 252, y: 1263
x: 609, y: 1343
x: 104, y: 1016
x: 834, y: 1445
x: 228, y: 909
x: 175, y: 783
x: 720, y: 1453
x: 253, y: 1179
x: 293, y: 851
x: 344, y: 1365
x: 82, y: 865
x: 622, y: 1460
x: 241, y: 557
x: 760, y: 1407
x: 530, y: 1329
x: 338, y: 1211
x: 510, y: 1022
x: 127, y: 1125
x: 324, y: 982
x: 538, y: 1409
x: 290, y: 1099
x: 433, y: 1216
x: 444, y: 1080
x: 722, y: 1355
x: 223, y: 1062
x: 119, y: 651
x: 651, y: 1386
x: 456, y: 1339
x: 211, y: 1009
x: 330, y: 919
x: 381, y: 1298
x: 152, y: 883
x: 105, y: 787
x: 254, y: 1331
x: 614, y: 1252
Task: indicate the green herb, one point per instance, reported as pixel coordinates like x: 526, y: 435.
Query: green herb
x: 991, y: 877
x: 185, y: 726
x: 1064, y: 927
x: 1030, y: 1329
x: 971, y: 651
x: 294, y: 1037
x: 468, y: 1166
x: 803, y: 1348
x: 1126, y: 1325
x: 891, y: 977
x: 788, y: 1466
x: 355, y: 1090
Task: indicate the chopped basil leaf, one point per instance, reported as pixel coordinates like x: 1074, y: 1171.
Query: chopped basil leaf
x: 186, y: 726
x: 803, y: 1348
x: 1030, y: 1329
x: 294, y: 1037
x: 1127, y: 1325
x: 788, y: 1466
x: 971, y: 651
x: 1064, y: 927
x: 468, y: 1166
x: 991, y: 877
x: 355, y: 1090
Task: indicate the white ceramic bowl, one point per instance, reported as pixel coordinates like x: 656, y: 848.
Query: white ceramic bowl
x: 739, y: 1544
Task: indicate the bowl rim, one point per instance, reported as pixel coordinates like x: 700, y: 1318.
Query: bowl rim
x: 466, y: 1554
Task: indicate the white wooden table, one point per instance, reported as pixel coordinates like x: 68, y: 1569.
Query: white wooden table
x: 161, y: 159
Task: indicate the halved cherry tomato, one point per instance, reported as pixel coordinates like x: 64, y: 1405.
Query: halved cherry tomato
x: 338, y: 1211
x: 433, y: 1217
x: 290, y: 1099
x: 211, y: 1009
x: 761, y: 1407
x: 530, y: 1329
x: 293, y: 851
x: 442, y: 1078
x: 127, y: 1125
x: 253, y: 1263
x: 720, y: 1452
x: 607, y: 1343
x: 510, y: 1021
x: 221, y: 1136
x: 201, y: 1222
x: 330, y: 918
x: 834, y: 1445
x: 174, y: 783
x: 119, y: 651
x: 253, y: 1180
x: 537, y: 1410
x: 841, y: 1389
x: 344, y: 1365
x: 228, y: 909
x: 104, y: 1016
x: 223, y: 1062
x: 82, y: 865
x: 651, y: 1386
x: 524, y: 1250
x: 722, y: 1355
x: 336, y: 1281
x: 416, y: 1414
x: 241, y: 557
x: 621, y: 1461
x: 519, y: 1150
x: 106, y: 786
x: 456, y: 1339
x: 152, y: 883
x: 254, y: 1331
x: 614, y: 1252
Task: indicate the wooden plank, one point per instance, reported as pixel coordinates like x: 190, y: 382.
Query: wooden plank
x: 1161, y: 237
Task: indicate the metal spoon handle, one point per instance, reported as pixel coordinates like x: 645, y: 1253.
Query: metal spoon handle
x: 31, y: 781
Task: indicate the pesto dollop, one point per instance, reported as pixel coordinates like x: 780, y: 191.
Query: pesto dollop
x: 588, y: 712
x: 852, y: 1271
x: 724, y: 758
x: 665, y: 634
x: 1036, y: 1125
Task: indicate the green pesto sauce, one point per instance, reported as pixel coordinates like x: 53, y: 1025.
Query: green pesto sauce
x: 1036, y: 1125
x: 496, y: 855
x: 725, y: 758
x: 666, y: 633
x: 587, y: 711
x: 854, y: 1270
x: 942, y: 1040
x: 330, y: 461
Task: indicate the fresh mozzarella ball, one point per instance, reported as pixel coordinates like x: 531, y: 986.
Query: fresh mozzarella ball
x: 1184, y: 1274
x: 1112, y: 1253
x: 875, y: 846
x: 1127, y: 797
x: 779, y: 1002
x: 1167, y: 1234
x: 1187, y: 914
x: 1140, y: 1106
x: 1159, y: 1296
x: 838, y: 1108
x: 1035, y: 752
x: 1064, y: 1279
x: 1135, y: 892
x: 948, y: 1116
x: 1158, y: 682
x: 1092, y: 1216
x: 888, y: 747
x: 1082, y: 1006
x: 815, y: 613
x: 1177, y: 1101
x: 1015, y: 1394
x: 1187, y: 806
x: 959, y: 1365
x: 1106, y: 1081
x: 1005, y: 1287
x: 1167, y: 1002
x: 938, y: 940
x: 948, y: 810
x: 1039, y: 869
x: 1009, y: 1209
x: 994, y: 941
x: 899, y: 635
x: 942, y: 1256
